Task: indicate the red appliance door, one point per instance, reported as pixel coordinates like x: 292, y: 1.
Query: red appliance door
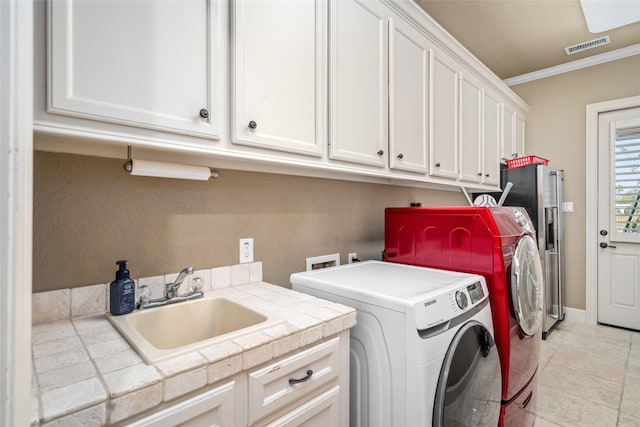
x: 527, y: 286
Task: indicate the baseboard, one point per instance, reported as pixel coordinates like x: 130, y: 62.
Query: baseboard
x: 575, y: 315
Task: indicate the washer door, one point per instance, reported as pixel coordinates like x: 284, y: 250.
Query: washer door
x: 527, y: 286
x: 470, y: 384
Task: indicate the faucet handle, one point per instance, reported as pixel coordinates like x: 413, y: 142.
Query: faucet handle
x: 144, y: 295
x: 196, y: 284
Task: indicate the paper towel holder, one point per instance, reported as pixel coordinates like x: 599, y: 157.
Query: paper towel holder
x: 168, y: 170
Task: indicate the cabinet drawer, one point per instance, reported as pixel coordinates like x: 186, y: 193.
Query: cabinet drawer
x: 270, y: 388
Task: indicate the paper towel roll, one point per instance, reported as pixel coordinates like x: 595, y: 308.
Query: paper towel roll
x: 169, y: 170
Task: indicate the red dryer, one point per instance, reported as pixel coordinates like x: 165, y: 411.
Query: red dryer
x: 498, y: 243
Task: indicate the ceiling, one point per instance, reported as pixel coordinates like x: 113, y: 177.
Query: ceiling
x: 515, y: 37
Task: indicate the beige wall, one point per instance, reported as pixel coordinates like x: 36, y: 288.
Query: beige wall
x: 556, y: 130
x: 88, y: 213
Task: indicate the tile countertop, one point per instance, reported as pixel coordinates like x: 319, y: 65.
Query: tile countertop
x: 85, y: 373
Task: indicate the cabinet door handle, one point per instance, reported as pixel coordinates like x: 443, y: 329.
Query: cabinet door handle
x: 438, y: 164
x: 252, y: 125
x: 380, y: 152
x: 301, y: 380
x: 204, y: 113
x: 487, y: 175
x: 400, y: 156
x: 479, y: 173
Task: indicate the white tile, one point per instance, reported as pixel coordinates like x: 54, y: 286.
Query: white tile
x: 60, y: 360
x: 220, y: 351
x: 240, y: 274
x: 184, y: 383
x: 64, y: 376
x: 65, y: 400
x: 286, y: 344
x: 88, y: 300
x: 50, y: 306
x: 89, y: 324
x: 57, y: 346
x: 91, y: 417
x: 255, y: 272
x: 177, y: 365
x: 220, y: 277
x: 224, y: 368
x: 108, y: 347
x: 52, y: 331
x: 134, y: 403
x: 130, y: 379
x: 257, y: 355
x: 116, y: 361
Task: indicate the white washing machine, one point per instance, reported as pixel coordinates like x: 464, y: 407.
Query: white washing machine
x: 422, y: 351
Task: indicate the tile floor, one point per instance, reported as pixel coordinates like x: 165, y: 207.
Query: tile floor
x: 589, y: 376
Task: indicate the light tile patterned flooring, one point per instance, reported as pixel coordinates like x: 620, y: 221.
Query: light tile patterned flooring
x: 589, y: 376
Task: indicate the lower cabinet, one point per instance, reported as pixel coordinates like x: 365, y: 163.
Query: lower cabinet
x: 305, y: 388
x: 214, y: 407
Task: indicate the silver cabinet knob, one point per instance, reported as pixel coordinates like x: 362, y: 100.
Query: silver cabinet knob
x: 204, y: 113
x: 252, y: 125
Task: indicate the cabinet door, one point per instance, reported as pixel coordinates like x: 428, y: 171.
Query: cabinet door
x: 321, y: 411
x: 358, y: 81
x: 409, y: 55
x: 211, y: 408
x: 519, y: 134
x: 443, y: 143
x: 280, y: 78
x: 508, y: 133
x: 471, y: 94
x: 150, y: 64
x: 491, y: 139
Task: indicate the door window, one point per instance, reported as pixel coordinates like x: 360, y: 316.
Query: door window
x: 470, y: 385
x: 527, y: 286
x: 625, y: 216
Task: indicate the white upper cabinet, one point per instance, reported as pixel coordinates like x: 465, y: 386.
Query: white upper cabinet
x: 409, y: 58
x: 471, y: 97
x: 149, y: 64
x: 280, y: 77
x: 491, y: 139
x: 443, y: 144
x: 519, y: 134
x: 512, y: 133
x: 358, y: 51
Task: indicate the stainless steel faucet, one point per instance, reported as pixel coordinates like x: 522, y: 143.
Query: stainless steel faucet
x: 171, y: 289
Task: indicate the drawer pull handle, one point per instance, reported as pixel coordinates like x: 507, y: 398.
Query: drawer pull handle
x: 301, y: 380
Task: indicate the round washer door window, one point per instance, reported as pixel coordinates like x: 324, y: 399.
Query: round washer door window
x: 470, y: 384
x: 527, y: 286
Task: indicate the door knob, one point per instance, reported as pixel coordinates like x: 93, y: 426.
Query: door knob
x: 603, y: 232
x: 605, y: 245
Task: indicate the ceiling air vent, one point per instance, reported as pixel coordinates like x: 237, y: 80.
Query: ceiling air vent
x: 587, y: 45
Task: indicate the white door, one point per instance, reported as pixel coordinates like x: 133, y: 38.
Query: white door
x: 358, y: 81
x: 279, y: 76
x: 471, y: 95
x: 409, y: 52
x: 150, y: 64
x: 619, y: 218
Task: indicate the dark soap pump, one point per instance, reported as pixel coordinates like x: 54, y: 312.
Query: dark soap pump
x: 122, y: 291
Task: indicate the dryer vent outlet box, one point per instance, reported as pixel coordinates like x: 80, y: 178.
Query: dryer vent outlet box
x: 323, y: 261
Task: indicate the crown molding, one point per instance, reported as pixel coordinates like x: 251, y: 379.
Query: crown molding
x: 568, y: 67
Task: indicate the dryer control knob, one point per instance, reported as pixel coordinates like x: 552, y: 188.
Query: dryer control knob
x: 462, y: 300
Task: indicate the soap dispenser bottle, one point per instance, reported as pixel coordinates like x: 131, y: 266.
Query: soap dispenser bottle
x: 122, y: 291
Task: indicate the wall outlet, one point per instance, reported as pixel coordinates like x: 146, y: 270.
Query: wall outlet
x: 352, y: 257
x: 246, y: 250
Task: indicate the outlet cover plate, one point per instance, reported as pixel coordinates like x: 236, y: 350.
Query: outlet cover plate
x: 246, y: 250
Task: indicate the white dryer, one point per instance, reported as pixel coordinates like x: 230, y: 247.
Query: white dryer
x: 422, y: 351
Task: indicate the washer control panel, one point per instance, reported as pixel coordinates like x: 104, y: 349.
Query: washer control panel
x: 449, y: 303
